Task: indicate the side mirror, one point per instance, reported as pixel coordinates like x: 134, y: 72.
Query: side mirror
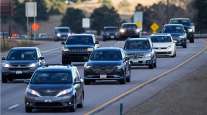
x: 41, y: 58
x: 26, y: 81
x: 3, y: 58
x: 63, y: 43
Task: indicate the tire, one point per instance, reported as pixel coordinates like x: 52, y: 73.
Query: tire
x: 185, y: 45
x: 123, y: 80
x: 174, y: 55
x: 151, y: 66
x: 87, y: 82
x: 74, y: 106
x: 64, y: 61
x: 28, y: 109
x: 155, y: 65
x: 80, y: 105
x: 191, y: 40
x: 4, y: 79
x: 128, y: 79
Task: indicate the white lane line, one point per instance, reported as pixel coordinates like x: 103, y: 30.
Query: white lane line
x: 46, y: 51
x: 13, y: 106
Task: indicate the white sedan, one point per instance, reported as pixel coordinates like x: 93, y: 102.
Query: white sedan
x: 163, y: 45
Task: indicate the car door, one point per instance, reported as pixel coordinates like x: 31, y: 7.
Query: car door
x: 126, y: 62
x: 77, y: 85
x: 41, y: 61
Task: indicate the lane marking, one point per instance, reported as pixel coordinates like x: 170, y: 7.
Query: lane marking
x: 46, y: 51
x: 13, y: 106
x: 139, y: 86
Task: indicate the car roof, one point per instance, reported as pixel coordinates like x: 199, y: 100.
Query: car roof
x: 83, y: 34
x: 128, y: 23
x: 161, y: 34
x: 59, y: 27
x: 179, y: 19
x: 56, y: 68
x: 173, y: 25
x: 109, y: 48
x: 24, y: 48
x: 133, y: 39
x: 110, y: 27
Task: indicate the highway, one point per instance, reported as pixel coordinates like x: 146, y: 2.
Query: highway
x: 105, y: 94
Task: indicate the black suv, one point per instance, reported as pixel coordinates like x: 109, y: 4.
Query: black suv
x: 110, y: 32
x: 55, y: 86
x: 78, y: 48
x: 107, y: 64
x: 188, y: 25
x: 20, y: 63
x: 177, y: 32
x: 129, y: 30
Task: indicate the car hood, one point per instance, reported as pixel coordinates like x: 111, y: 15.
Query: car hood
x: 20, y: 62
x: 104, y: 63
x: 158, y: 45
x: 79, y: 46
x: 43, y: 87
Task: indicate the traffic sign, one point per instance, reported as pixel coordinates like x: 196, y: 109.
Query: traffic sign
x: 86, y: 22
x: 154, y: 27
x: 31, y: 9
x: 35, y: 27
x: 138, y: 19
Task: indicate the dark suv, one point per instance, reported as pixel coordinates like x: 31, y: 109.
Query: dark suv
x: 177, y: 32
x: 129, y: 30
x: 188, y: 25
x: 55, y: 86
x: 78, y: 48
x: 110, y: 32
x: 20, y: 63
x: 107, y: 64
x: 62, y: 33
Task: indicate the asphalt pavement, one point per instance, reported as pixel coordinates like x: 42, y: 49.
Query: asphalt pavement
x: 12, y: 94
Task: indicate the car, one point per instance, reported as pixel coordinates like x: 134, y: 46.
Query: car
x: 140, y: 52
x: 43, y: 36
x: 177, y: 32
x: 188, y: 25
x: 78, y: 47
x: 55, y: 86
x: 128, y: 30
x: 107, y: 63
x: 110, y: 32
x: 62, y: 33
x: 20, y: 63
x: 4, y: 35
x: 163, y: 45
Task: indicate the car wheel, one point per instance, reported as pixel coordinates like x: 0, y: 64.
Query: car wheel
x: 28, y: 109
x: 174, y: 55
x: 185, y: 45
x: 87, y: 82
x: 73, y: 107
x: 191, y: 40
x: 64, y: 60
x: 123, y: 80
x: 128, y: 79
x: 80, y: 105
x: 155, y: 65
x: 4, y: 79
x: 151, y: 66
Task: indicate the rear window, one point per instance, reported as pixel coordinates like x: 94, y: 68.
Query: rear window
x: 110, y: 29
x: 173, y: 29
x: 131, y: 26
x: 63, y: 30
x: 160, y: 39
x: 52, y: 77
x: 137, y: 45
x: 184, y: 22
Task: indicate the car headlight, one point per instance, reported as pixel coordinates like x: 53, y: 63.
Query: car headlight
x: 65, y: 49
x: 32, y: 65
x: 170, y: 46
x: 122, y: 30
x: 33, y: 92
x: 69, y: 34
x: 87, y: 66
x: 190, y: 30
x: 64, y: 92
x: 183, y: 36
x: 6, y: 65
x: 89, y: 49
x: 148, y: 55
x: 58, y: 34
x: 138, y: 30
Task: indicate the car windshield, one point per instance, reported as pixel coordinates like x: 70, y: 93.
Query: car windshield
x: 52, y: 77
x: 80, y: 40
x: 173, y: 29
x: 110, y: 29
x: 63, y: 30
x: 29, y: 54
x: 137, y: 45
x: 106, y: 55
x: 129, y: 26
x: 184, y: 22
x: 161, y: 39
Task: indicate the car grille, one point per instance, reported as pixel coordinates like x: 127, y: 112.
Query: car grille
x: 48, y: 92
x: 19, y: 69
x: 163, y: 52
x: 53, y: 104
x: 78, y: 50
x: 64, y: 36
x: 161, y: 48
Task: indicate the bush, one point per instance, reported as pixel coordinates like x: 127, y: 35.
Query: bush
x: 73, y: 19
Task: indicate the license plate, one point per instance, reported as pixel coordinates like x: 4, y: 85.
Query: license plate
x: 18, y: 72
x: 103, y: 76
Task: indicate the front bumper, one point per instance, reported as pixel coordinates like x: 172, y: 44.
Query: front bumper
x: 164, y: 52
x: 48, y: 102
x: 128, y: 34
x: 109, y: 36
x: 141, y: 61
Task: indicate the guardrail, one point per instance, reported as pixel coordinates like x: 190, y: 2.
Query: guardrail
x: 200, y: 35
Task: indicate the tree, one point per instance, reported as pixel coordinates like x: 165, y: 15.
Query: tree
x: 73, y: 19
x: 201, y: 16
x: 104, y: 16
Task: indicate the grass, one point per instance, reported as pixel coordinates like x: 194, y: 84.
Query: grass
x: 6, y: 44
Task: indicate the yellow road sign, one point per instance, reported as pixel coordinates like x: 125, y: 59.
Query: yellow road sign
x: 154, y: 27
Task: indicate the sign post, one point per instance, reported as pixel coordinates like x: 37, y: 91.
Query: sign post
x: 30, y: 11
x: 154, y: 27
x: 86, y: 23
